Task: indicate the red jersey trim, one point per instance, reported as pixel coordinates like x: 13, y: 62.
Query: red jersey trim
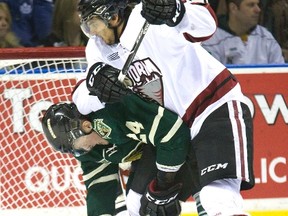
x: 199, y: 39
x: 240, y: 138
x: 220, y: 86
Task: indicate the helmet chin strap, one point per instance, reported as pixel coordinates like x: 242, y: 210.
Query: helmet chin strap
x: 75, y: 134
x: 79, y: 132
x: 116, y: 37
x: 115, y: 28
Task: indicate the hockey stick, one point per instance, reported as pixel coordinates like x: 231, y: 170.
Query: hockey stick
x: 133, y: 51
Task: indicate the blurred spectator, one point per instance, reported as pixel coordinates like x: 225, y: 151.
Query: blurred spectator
x: 275, y: 19
x: 31, y: 20
x: 240, y: 40
x: 219, y: 6
x: 66, y: 29
x: 7, y: 38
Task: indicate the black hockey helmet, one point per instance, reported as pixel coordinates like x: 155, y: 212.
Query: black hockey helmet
x: 61, y: 126
x: 104, y: 9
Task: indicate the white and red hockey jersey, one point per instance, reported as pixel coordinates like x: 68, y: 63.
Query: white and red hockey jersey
x: 170, y: 66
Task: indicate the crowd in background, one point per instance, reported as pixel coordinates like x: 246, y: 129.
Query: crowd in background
x: 240, y: 38
x: 35, y: 23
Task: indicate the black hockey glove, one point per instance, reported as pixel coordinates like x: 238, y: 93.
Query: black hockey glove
x: 160, y: 203
x: 159, y: 12
x: 102, y: 81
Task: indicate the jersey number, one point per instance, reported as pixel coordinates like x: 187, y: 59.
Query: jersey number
x: 136, y: 128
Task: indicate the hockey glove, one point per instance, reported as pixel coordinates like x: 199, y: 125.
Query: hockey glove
x: 159, y: 12
x: 160, y: 203
x: 102, y: 81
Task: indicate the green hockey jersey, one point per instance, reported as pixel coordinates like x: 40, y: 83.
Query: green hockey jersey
x: 128, y: 125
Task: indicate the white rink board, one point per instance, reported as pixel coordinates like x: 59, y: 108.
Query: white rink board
x: 187, y: 208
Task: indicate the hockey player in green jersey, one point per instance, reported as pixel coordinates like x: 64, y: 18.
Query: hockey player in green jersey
x: 120, y: 132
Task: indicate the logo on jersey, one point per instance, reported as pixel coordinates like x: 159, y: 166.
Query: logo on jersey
x: 146, y: 79
x: 111, y: 150
x: 101, y: 128
x: 113, y: 56
x: 177, y: 12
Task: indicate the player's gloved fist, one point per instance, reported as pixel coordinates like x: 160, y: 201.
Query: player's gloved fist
x: 160, y: 203
x: 160, y: 12
x: 102, y: 81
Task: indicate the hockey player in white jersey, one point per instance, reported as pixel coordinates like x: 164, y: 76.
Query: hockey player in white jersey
x: 172, y: 68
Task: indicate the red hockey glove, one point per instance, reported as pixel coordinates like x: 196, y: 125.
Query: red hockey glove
x: 160, y: 203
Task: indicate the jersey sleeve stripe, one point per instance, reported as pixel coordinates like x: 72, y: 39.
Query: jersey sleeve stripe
x: 173, y: 130
x: 155, y: 124
x: 103, y: 179
x: 96, y: 171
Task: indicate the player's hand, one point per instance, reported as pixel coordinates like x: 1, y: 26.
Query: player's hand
x: 160, y: 12
x: 102, y: 81
x: 160, y: 203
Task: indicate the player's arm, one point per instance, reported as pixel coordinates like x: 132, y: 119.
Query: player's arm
x: 100, y: 86
x: 195, y: 19
x: 201, y: 16
x: 85, y: 102
x: 171, y: 139
x: 102, y: 81
x: 101, y: 182
x: 161, y: 196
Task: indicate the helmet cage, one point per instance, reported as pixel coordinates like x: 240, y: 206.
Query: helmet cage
x: 105, y: 9
x: 74, y: 133
x: 102, y: 9
x: 61, y: 125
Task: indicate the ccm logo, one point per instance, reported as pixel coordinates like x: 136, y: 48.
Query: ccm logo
x: 160, y: 202
x: 177, y: 12
x: 213, y: 168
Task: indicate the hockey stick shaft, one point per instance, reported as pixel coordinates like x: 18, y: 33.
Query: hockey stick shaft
x: 133, y: 51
